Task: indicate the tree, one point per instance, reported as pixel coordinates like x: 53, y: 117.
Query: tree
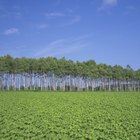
x: 32, y: 73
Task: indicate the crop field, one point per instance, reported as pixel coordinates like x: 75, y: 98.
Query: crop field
x: 70, y: 115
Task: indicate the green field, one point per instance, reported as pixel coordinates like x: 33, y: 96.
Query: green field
x: 75, y: 115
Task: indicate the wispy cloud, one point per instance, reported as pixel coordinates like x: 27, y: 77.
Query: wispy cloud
x: 110, y: 2
x: 128, y: 10
x: 107, y: 4
x: 130, y: 7
x: 16, y: 50
x: 69, y: 17
x: 16, y: 7
x: 56, y: 43
x: 42, y: 26
x: 70, y: 10
x: 12, y: 13
x: 72, y: 20
x: 11, y: 31
x: 62, y: 46
x: 54, y: 14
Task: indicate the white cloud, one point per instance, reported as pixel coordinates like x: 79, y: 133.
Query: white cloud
x: 59, y: 48
x: 12, y: 14
x: 75, y: 19
x: 128, y: 10
x: 72, y: 20
x: 56, y: 42
x: 11, y: 31
x: 107, y: 4
x: 42, y: 26
x: 69, y: 16
x: 54, y: 14
x: 130, y: 7
x: 110, y: 2
x: 70, y: 10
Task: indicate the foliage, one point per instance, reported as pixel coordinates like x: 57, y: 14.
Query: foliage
x: 62, y: 67
x: 90, y: 116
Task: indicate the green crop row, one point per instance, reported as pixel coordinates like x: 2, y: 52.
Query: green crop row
x: 62, y: 116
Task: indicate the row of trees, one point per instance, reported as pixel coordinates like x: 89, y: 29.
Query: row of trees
x: 51, y: 82
x: 65, y: 75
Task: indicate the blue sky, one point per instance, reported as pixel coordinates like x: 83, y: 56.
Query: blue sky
x: 107, y: 31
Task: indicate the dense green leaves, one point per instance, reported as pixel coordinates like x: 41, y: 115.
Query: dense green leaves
x: 90, y: 116
x: 62, y: 67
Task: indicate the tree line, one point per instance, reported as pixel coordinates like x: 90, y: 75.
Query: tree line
x: 60, y: 74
